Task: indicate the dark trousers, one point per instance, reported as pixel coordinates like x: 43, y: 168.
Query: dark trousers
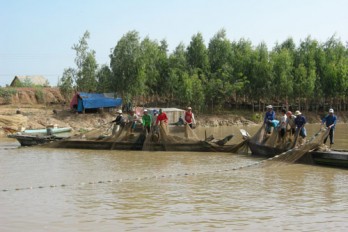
x: 148, y: 128
x: 331, y: 135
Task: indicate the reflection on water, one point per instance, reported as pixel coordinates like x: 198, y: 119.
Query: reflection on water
x: 167, y: 191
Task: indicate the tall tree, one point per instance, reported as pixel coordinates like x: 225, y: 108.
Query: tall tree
x: 178, y: 73
x: 260, y: 80
x: 125, y: 62
x: 282, y: 64
x: 104, y: 79
x: 197, y: 55
x: 66, y: 82
x: 150, y: 54
x: 305, y: 71
x: 86, y: 65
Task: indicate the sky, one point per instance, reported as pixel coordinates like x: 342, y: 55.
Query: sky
x: 36, y: 36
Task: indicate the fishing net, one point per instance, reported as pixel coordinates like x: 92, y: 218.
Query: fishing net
x: 12, y: 123
x: 161, y: 137
x: 190, y: 134
x: 295, y: 154
x: 94, y: 134
x: 274, y: 139
x: 166, y: 138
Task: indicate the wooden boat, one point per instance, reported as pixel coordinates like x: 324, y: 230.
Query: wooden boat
x: 137, y: 143
x: 31, y: 140
x: 263, y: 150
x: 335, y: 158
x: 47, y: 131
x: 200, y: 146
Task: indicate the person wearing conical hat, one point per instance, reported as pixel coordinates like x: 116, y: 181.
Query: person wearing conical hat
x: 147, y: 121
x: 330, y: 122
x: 269, y: 119
x: 119, y: 121
x: 300, y: 122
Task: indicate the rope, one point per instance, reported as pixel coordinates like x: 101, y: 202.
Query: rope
x: 186, y: 174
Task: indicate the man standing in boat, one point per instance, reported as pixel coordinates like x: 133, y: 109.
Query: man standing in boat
x: 330, y: 122
x: 300, y: 122
x: 132, y: 119
x: 189, y: 117
x: 119, y: 121
x: 147, y: 121
x: 290, y: 122
x: 269, y: 118
x: 282, y: 126
x: 162, y: 120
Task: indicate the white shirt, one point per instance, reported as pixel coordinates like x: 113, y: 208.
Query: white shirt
x: 283, y: 121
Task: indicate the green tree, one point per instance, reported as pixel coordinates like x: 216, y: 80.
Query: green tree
x: 86, y: 65
x: 219, y: 51
x: 305, y: 71
x: 65, y: 84
x: 334, y: 79
x: 282, y: 65
x: 163, y: 68
x: 150, y: 65
x: 222, y: 82
x: 197, y: 55
x: 104, y: 79
x: 86, y: 80
x: 260, y: 81
x: 178, y: 73
x: 125, y: 63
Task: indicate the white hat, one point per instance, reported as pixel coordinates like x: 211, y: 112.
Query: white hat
x: 331, y: 111
x: 297, y: 112
x: 145, y: 110
x: 269, y: 107
x: 119, y: 111
x: 189, y: 108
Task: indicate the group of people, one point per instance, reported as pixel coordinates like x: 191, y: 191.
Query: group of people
x: 149, y: 121
x: 295, y: 123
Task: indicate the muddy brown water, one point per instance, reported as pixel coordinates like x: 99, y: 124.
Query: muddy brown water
x: 85, y: 190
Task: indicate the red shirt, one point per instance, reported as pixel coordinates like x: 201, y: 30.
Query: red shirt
x: 188, y: 117
x: 162, y: 117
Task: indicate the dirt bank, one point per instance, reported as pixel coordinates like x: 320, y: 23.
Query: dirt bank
x: 39, y: 116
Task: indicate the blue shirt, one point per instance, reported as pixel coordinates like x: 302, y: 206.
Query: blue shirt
x: 270, y: 115
x: 300, y: 121
x: 330, y: 119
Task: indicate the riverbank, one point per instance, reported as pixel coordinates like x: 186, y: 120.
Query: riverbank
x: 39, y: 116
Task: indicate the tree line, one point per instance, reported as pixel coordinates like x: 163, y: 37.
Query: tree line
x: 312, y: 75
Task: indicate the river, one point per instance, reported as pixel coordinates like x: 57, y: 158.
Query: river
x: 45, y: 189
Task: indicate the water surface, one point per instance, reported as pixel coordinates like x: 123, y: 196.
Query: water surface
x: 85, y: 190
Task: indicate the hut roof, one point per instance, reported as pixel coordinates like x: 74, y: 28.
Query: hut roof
x: 35, y: 80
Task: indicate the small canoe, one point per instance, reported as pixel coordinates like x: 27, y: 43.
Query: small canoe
x: 45, y: 131
x: 32, y: 140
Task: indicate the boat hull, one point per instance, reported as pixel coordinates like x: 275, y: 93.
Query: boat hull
x: 330, y: 158
x: 263, y: 150
x: 334, y: 158
x: 32, y: 140
x: 200, y: 146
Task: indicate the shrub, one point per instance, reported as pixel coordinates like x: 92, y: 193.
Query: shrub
x: 7, y: 93
x: 39, y: 95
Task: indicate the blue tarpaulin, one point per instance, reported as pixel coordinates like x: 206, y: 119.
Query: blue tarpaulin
x: 95, y: 101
